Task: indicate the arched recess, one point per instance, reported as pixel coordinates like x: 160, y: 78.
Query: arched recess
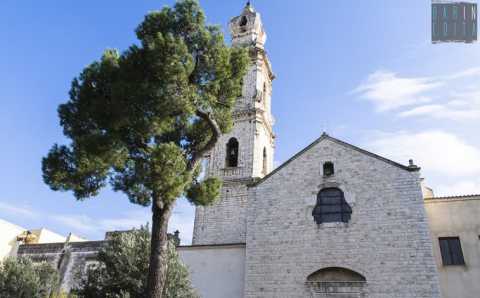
x: 335, y: 274
x: 231, y: 160
x: 336, y: 281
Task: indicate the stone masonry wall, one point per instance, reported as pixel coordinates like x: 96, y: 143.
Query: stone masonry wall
x: 68, y: 259
x: 387, y: 239
x: 224, y: 222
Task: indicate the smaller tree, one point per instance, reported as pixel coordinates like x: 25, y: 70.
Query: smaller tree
x: 21, y: 278
x: 122, y: 269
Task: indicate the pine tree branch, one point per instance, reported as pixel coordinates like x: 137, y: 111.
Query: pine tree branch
x: 216, y: 133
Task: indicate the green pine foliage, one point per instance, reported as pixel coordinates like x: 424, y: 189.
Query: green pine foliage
x: 21, y: 278
x: 142, y: 120
x: 122, y: 270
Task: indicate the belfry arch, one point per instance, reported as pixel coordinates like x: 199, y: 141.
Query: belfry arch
x: 232, y: 153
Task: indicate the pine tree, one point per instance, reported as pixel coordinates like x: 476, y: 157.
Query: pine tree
x: 144, y: 119
x: 21, y: 278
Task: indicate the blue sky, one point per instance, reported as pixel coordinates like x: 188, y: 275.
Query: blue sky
x: 364, y: 71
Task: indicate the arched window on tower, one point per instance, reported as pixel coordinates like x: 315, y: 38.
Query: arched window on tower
x: 265, y: 166
x: 232, y: 153
x: 331, y: 207
x: 244, y: 21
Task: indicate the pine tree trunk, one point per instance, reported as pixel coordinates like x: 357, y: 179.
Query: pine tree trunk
x: 158, y: 252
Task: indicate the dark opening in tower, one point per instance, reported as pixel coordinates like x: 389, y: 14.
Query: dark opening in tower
x: 264, y: 168
x: 232, y: 153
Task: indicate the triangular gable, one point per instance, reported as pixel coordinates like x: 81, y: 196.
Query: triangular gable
x: 325, y: 136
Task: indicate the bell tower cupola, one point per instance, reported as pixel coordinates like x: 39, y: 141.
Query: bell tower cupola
x: 247, y: 28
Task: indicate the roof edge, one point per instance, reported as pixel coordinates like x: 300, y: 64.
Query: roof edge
x: 226, y: 245
x: 412, y: 168
x: 453, y: 198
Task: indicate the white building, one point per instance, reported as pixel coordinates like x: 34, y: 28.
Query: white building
x: 12, y: 236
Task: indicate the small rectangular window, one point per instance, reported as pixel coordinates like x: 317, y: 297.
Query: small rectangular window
x: 451, y: 250
x: 455, y: 12
x: 434, y: 12
x: 445, y: 14
x: 445, y: 29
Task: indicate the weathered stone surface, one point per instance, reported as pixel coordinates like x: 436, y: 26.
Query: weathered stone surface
x: 387, y: 239
x: 67, y: 258
x: 225, y: 222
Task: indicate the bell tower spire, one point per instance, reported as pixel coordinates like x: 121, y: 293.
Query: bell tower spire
x: 247, y: 28
x: 246, y: 153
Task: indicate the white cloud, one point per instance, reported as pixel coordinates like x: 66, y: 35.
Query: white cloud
x: 448, y: 112
x: 452, y: 97
x: 17, y: 210
x: 87, y: 224
x: 387, y: 91
x: 469, y: 72
x: 435, y: 151
x: 80, y: 223
x: 449, y: 164
x: 181, y: 220
x: 466, y: 187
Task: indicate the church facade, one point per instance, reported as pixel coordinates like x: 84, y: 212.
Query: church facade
x: 333, y: 221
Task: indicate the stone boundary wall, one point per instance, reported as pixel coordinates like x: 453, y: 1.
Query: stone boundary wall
x: 69, y: 259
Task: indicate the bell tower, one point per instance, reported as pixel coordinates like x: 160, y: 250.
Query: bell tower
x: 246, y: 153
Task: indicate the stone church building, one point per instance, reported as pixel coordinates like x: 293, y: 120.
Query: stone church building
x: 332, y: 221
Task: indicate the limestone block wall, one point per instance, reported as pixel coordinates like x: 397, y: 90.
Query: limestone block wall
x: 387, y: 239
x: 263, y: 140
x: 68, y: 259
x: 224, y: 222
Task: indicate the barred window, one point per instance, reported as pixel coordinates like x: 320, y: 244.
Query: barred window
x: 331, y: 207
x: 451, y: 250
